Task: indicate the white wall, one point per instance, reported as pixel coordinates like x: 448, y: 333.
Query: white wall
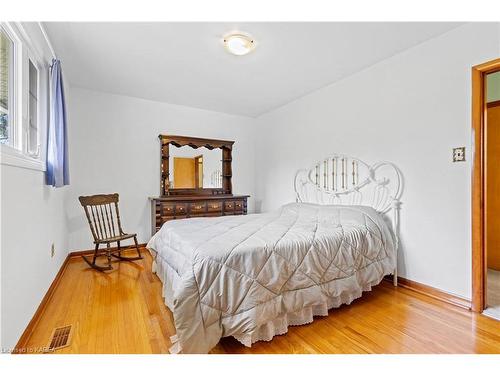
x: 32, y: 218
x: 410, y: 109
x: 114, y: 147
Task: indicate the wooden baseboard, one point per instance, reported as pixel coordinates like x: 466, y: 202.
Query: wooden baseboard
x: 432, y: 292
x: 23, y: 340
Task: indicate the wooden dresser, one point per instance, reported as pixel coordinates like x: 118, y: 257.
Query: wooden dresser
x: 164, y: 209
x: 199, y: 201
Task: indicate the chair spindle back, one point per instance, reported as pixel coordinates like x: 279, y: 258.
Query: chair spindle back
x: 103, y: 215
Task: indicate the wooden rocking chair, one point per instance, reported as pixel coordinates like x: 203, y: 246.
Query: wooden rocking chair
x: 100, y: 210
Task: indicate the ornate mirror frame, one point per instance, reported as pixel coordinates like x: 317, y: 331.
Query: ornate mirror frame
x: 179, y: 141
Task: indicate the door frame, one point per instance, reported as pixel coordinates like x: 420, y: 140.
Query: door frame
x: 479, y: 73
x: 197, y: 171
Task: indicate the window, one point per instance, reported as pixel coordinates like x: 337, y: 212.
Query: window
x: 6, y: 78
x: 22, y: 89
x: 33, y: 144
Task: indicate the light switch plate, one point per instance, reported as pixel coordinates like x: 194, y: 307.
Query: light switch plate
x: 458, y: 154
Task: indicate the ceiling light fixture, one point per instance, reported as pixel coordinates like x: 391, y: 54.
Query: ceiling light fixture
x: 239, y: 44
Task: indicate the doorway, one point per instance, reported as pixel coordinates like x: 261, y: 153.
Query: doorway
x: 486, y: 187
x: 198, y: 171
x: 184, y: 173
x: 492, y: 194
x: 188, y: 173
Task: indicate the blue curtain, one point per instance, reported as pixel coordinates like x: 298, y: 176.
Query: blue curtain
x: 57, y: 173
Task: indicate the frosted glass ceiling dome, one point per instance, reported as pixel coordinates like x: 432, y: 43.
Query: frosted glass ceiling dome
x: 239, y: 44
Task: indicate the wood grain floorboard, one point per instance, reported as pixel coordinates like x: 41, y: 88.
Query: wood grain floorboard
x: 123, y: 312
x: 493, y: 294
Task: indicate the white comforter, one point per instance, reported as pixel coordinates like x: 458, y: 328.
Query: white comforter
x: 236, y: 275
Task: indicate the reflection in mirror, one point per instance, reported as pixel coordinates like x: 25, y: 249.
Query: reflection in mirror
x: 195, y: 168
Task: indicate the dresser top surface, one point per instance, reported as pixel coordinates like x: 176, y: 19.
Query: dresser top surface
x: 198, y: 197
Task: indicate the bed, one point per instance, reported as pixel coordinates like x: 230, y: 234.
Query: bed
x: 253, y: 276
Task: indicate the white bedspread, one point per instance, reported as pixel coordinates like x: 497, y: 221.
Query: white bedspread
x: 252, y: 276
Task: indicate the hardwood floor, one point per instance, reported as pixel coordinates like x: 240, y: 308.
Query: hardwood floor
x: 493, y: 294
x: 123, y: 312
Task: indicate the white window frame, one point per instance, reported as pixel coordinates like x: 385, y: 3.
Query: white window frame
x: 35, y: 61
x: 16, y: 152
x: 13, y: 89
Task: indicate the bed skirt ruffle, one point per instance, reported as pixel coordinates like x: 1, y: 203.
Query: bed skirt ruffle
x: 266, y: 331
x: 279, y: 325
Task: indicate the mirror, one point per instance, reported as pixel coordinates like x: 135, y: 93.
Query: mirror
x: 195, y: 168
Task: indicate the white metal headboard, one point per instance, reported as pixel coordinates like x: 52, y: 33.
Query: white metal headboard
x: 344, y: 180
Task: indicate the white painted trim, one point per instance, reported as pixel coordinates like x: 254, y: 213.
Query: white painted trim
x: 28, y: 42
x: 37, y: 64
x: 16, y: 152
x: 44, y: 33
x: 15, y: 158
x: 15, y: 117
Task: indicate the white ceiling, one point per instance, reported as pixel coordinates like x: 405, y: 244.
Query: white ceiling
x: 186, y: 64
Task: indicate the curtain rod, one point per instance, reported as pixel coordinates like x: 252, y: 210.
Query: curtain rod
x: 47, y: 40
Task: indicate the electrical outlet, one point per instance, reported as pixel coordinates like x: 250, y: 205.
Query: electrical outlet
x: 52, y: 251
x: 458, y: 154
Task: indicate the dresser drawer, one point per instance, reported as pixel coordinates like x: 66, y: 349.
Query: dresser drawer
x: 167, y: 209
x: 228, y: 206
x: 214, y: 206
x: 181, y: 208
x: 239, y: 206
x: 198, y: 207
